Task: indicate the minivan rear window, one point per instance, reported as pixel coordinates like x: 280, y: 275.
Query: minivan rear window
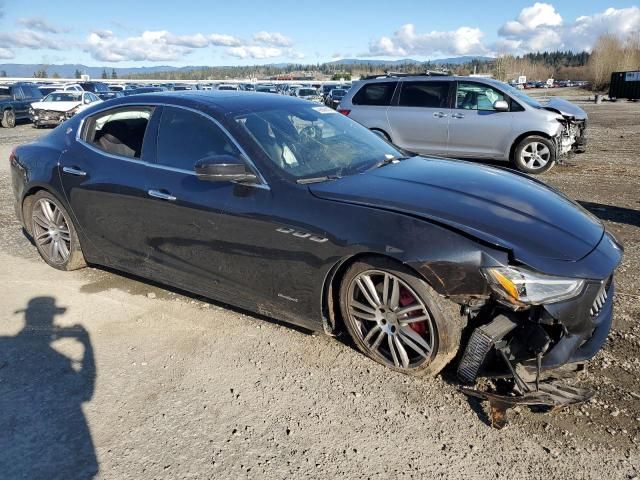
x: 428, y: 94
x: 379, y: 93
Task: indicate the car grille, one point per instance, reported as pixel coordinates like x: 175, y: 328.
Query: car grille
x: 601, y: 298
x: 49, y: 114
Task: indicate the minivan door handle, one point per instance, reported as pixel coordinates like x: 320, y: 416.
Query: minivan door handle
x: 161, y: 195
x: 439, y: 114
x: 74, y: 171
x: 457, y: 115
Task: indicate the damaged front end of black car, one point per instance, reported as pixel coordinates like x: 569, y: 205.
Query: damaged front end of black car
x: 534, y: 330
x: 531, y: 271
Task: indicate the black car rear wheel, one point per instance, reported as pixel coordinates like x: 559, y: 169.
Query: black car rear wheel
x: 397, y: 319
x: 54, y: 234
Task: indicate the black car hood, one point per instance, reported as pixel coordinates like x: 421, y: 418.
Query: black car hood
x: 506, y: 209
x: 565, y: 108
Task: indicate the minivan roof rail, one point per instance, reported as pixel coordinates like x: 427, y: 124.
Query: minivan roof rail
x: 428, y: 73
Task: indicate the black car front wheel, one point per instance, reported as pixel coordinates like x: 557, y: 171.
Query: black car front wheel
x: 54, y: 234
x: 397, y: 319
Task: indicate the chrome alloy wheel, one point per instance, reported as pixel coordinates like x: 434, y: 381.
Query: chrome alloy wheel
x: 535, y: 155
x: 51, y: 231
x: 391, y: 319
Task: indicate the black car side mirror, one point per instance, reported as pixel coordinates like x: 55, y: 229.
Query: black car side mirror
x: 224, y: 168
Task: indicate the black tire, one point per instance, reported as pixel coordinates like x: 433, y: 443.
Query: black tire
x: 531, y: 145
x: 442, y: 329
x: 38, y: 229
x: 8, y: 119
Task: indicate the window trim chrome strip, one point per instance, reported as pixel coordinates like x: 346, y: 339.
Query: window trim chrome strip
x: 263, y: 184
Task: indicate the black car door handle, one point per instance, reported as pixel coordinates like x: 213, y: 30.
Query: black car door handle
x: 161, y: 195
x: 74, y: 171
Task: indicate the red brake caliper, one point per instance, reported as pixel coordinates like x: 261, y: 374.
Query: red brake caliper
x: 407, y: 299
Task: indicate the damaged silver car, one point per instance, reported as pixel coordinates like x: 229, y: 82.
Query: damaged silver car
x: 467, y: 117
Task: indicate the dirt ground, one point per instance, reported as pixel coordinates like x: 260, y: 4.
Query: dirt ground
x: 106, y: 375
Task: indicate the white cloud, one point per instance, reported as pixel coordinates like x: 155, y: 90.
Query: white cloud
x: 28, y: 39
x: 36, y: 23
x: 154, y: 46
x: 406, y: 41
x: 6, y: 54
x: 583, y: 32
x: 539, y: 27
x: 197, y: 40
x: 103, y: 45
x: 530, y: 18
x: 162, y: 45
x: 255, y: 51
x: 224, y: 40
x: 274, y: 39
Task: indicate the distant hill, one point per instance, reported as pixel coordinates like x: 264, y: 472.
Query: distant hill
x: 68, y: 70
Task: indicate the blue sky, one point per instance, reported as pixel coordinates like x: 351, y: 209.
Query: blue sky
x: 194, y: 32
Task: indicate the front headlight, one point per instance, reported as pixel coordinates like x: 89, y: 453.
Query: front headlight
x: 522, y: 287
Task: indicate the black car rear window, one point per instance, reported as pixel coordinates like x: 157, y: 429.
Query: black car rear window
x: 379, y: 93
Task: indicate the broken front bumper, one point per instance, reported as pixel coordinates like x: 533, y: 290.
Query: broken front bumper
x: 572, y: 137
x: 545, y: 337
x: 585, y: 338
x: 47, y: 117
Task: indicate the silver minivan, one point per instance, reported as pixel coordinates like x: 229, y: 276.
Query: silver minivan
x: 467, y: 117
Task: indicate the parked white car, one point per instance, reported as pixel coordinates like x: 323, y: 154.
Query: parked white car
x: 58, y: 106
x: 73, y: 87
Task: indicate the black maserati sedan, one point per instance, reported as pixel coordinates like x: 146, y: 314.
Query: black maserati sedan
x: 288, y: 209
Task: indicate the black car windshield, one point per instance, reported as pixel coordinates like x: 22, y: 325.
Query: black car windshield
x: 306, y: 92
x: 306, y: 141
x: 338, y: 93
x: 514, y: 92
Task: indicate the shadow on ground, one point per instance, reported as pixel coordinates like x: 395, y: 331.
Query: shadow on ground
x: 613, y: 214
x: 44, y: 434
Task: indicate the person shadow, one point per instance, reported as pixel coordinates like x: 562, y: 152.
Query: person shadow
x: 43, y: 431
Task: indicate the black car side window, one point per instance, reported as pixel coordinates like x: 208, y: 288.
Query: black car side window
x: 119, y: 131
x: 184, y: 137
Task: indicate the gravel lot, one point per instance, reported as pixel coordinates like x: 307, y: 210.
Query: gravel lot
x: 109, y: 376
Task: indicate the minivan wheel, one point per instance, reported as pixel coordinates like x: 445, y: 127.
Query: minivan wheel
x: 534, y: 154
x: 54, y: 234
x: 397, y: 319
x: 8, y: 119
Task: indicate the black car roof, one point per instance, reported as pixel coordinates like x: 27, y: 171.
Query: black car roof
x: 225, y: 101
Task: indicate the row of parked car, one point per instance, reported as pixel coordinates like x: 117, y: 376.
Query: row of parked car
x: 51, y: 104
x: 461, y: 117
x: 547, y: 84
